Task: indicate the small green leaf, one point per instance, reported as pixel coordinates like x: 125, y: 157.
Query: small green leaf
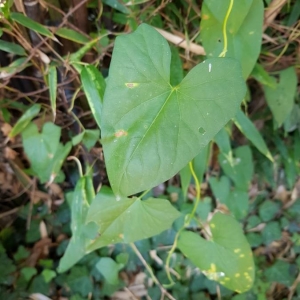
x: 76, y: 56
x: 91, y: 136
x: 271, y: 232
x: 238, y: 203
x: 12, y: 48
x: 281, y: 98
x: 261, y: 75
x: 117, y: 6
x: 78, y: 138
x: 16, y: 66
x: 226, y: 257
x: 236, y: 200
x: 126, y: 220
x: 254, y: 239
x: 93, y: 85
x: 222, y: 139
x: 79, y: 281
x: 21, y: 254
x: 243, y: 123
x: 48, y: 275
x: 268, y: 210
x: 88, y: 137
x: 52, y: 82
x: 220, y: 187
x: 239, y: 168
x: 28, y: 273
x: 29, y: 23
x: 151, y: 129
x: 280, y: 272
x: 44, y: 150
x: 109, y: 269
x: 72, y: 35
x: 244, y: 30
x: 25, y: 119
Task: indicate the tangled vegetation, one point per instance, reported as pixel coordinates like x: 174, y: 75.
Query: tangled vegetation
x: 150, y: 149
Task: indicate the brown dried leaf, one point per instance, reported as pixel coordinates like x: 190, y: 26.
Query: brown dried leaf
x: 10, y: 153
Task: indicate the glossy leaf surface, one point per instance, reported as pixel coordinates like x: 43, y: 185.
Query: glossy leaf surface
x: 226, y: 257
x: 151, y: 129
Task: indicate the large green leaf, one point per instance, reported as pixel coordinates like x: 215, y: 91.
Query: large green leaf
x: 151, y: 129
x: 128, y: 219
x: 226, y: 257
x: 281, y: 98
x: 244, y: 30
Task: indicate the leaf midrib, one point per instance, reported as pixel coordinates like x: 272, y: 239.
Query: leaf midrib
x: 146, y: 132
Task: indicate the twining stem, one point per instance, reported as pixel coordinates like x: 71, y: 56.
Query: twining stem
x: 187, y: 221
x: 78, y: 164
x: 223, y: 53
x: 149, y: 269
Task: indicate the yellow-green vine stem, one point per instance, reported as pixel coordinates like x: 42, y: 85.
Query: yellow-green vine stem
x: 187, y: 221
x: 223, y: 53
x: 78, y: 164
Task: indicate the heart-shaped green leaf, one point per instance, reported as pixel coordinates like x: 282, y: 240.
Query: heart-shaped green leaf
x: 244, y: 30
x: 151, y: 129
x: 44, y: 150
x: 128, y: 219
x: 281, y: 98
x: 226, y: 258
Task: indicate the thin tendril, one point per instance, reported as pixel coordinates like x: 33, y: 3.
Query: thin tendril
x: 186, y: 223
x: 223, y: 53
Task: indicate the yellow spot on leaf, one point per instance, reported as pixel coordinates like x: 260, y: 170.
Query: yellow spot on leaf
x: 242, y: 255
x: 251, y: 32
x: 131, y: 85
x: 213, y: 268
x: 237, y: 275
x: 120, y: 133
x: 121, y: 235
x: 205, y: 17
x: 212, y: 225
x: 227, y: 279
x: 250, y: 268
x: 237, y: 250
x: 222, y: 282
